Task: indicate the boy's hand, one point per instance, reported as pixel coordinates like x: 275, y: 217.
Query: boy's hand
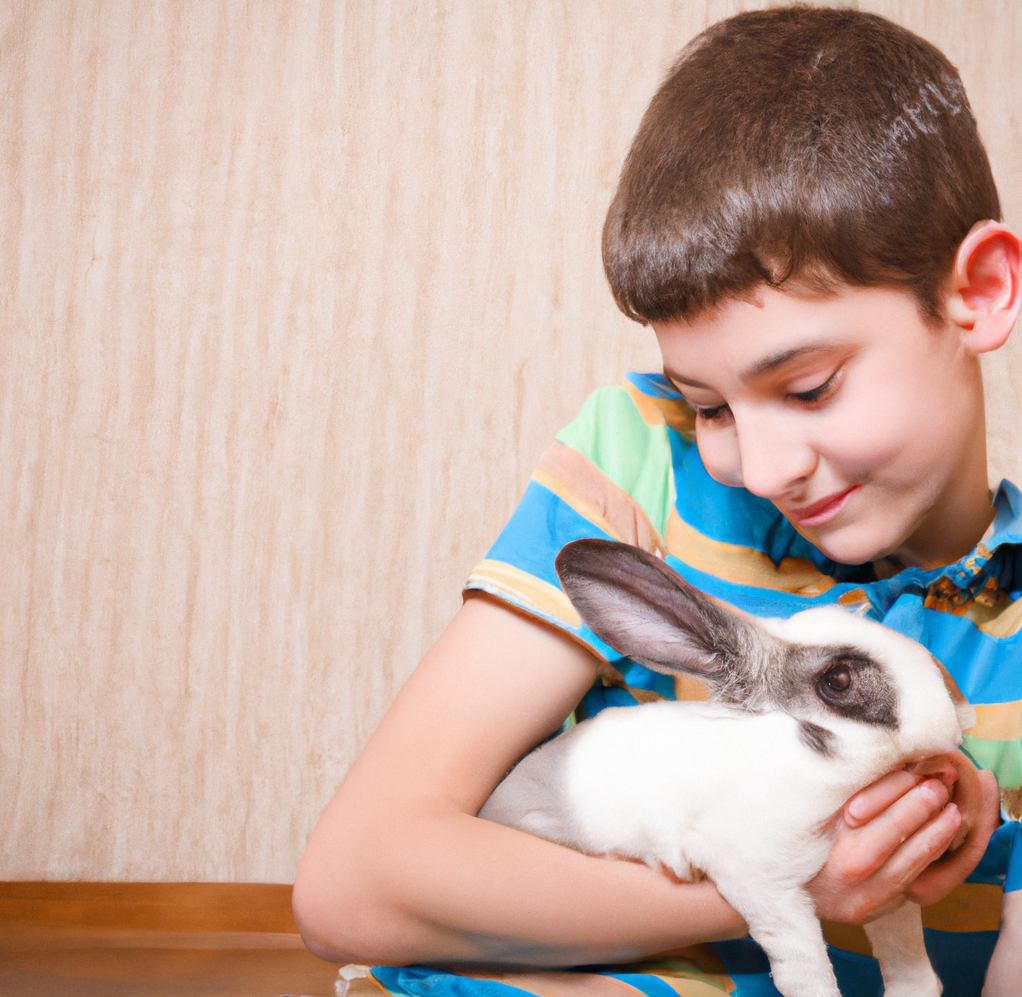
x: 977, y: 797
x: 894, y: 833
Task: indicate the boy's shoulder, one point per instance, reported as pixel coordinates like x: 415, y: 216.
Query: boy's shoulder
x: 622, y: 431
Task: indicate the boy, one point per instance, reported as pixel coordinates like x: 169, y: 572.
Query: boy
x: 808, y: 221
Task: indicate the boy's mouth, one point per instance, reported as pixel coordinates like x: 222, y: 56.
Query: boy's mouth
x: 823, y: 511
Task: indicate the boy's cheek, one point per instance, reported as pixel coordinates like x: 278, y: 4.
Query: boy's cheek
x: 720, y: 455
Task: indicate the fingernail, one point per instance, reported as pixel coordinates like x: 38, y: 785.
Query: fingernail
x: 857, y: 809
x: 932, y: 790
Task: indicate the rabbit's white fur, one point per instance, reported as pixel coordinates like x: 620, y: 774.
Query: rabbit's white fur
x: 746, y: 789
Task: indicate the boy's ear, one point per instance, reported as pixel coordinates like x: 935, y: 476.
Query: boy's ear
x: 984, y: 297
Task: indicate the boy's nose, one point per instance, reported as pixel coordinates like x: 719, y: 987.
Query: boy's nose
x: 774, y: 459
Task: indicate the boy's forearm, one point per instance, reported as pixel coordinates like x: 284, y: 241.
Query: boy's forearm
x: 433, y: 890
x: 1005, y: 970
x: 399, y: 871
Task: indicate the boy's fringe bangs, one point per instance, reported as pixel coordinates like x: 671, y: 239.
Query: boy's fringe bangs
x: 665, y: 273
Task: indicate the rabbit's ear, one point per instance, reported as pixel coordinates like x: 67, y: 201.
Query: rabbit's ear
x: 633, y: 601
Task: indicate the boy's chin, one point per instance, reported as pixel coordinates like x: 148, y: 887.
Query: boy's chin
x: 849, y: 546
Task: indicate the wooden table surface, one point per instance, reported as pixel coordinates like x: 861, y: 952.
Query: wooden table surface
x: 52, y: 960
x: 163, y: 940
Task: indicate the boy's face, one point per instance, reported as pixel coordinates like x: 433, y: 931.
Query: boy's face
x: 859, y: 420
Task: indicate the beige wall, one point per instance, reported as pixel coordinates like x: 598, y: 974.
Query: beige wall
x: 293, y: 294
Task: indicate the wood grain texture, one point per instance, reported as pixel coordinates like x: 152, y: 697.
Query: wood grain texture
x: 144, y: 968
x: 169, y: 939
x: 169, y: 908
x: 293, y: 296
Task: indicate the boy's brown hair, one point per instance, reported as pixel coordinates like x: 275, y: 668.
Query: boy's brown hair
x: 829, y: 146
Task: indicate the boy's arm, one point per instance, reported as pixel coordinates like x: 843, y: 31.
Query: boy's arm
x: 399, y: 870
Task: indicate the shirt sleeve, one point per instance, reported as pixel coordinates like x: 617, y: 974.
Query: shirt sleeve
x: 608, y: 474
x: 1013, y: 878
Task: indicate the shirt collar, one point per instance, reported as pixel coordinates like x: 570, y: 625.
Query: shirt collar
x: 993, y: 563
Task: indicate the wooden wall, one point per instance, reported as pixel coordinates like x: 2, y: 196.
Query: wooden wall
x: 293, y: 295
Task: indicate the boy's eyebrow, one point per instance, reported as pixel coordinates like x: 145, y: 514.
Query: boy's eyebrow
x: 684, y: 380
x: 779, y: 359
x: 765, y: 366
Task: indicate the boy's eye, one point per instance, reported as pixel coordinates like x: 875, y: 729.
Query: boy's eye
x: 819, y: 392
x: 709, y: 414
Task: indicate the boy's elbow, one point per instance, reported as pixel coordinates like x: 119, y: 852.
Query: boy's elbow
x: 321, y: 928
x: 328, y: 919
x: 342, y: 916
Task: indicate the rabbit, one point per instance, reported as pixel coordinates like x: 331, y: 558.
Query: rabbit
x: 746, y: 788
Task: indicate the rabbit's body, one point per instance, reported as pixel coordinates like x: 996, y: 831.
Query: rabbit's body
x: 746, y: 789
x: 609, y: 796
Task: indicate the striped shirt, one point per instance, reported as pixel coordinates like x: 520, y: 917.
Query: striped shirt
x: 628, y: 469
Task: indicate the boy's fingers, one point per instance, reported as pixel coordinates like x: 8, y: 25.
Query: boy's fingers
x: 936, y: 881
x: 861, y: 876
x: 974, y: 793
x: 872, y: 801
x: 922, y: 849
x: 875, y: 870
x: 873, y: 844
x: 888, y: 847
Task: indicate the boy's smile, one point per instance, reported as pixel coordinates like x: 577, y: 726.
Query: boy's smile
x: 858, y: 418
x: 823, y: 511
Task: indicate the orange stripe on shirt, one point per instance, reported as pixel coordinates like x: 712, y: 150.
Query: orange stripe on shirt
x: 742, y: 565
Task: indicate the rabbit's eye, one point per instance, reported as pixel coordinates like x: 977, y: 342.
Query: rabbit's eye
x: 854, y: 685
x: 838, y: 678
